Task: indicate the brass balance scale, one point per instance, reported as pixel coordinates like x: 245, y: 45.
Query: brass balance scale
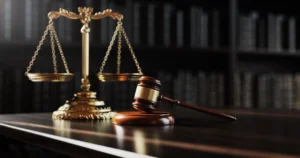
x: 84, y: 104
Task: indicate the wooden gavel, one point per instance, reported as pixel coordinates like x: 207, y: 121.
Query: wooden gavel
x: 148, y: 94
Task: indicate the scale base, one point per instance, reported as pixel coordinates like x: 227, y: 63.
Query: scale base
x: 84, y: 106
x: 156, y: 118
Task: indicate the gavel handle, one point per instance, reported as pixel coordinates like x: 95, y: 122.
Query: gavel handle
x: 198, y: 108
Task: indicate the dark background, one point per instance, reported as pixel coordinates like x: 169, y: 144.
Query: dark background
x: 200, y: 64
x: 209, y: 57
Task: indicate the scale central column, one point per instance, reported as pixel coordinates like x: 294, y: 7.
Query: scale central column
x: 85, y: 83
x: 84, y: 104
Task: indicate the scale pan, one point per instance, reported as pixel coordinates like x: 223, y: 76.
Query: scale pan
x: 113, y: 77
x: 50, y: 77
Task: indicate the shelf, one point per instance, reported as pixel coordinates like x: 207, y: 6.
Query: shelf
x: 150, y: 59
x: 184, y: 51
x: 156, y: 49
x: 277, y: 6
x: 268, y: 61
x: 267, y: 53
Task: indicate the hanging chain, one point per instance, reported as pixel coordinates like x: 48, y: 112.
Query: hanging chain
x: 131, y: 51
x: 60, y: 49
x: 119, y: 48
x: 109, y: 48
x: 53, y: 50
x: 39, y: 47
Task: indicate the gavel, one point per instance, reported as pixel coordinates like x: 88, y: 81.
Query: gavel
x: 147, y: 95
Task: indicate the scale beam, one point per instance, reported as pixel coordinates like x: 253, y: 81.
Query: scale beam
x: 85, y: 14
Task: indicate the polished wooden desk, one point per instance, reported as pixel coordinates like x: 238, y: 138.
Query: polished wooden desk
x: 264, y: 133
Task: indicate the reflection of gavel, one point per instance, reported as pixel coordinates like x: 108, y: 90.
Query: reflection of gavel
x: 148, y: 94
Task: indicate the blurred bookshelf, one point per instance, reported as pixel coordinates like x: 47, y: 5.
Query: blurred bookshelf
x: 220, y: 54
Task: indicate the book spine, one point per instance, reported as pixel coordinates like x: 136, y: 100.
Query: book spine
x: 221, y: 90
x: 181, y: 85
x: 7, y: 20
x: 43, y: 16
x: 281, y: 99
x: 237, y: 92
x: 284, y: 90
x: 2, y: 20
x: 262, y: 96
x: 297, y: 91
x: 61, y: 24
x: 37, y: 97
x: 290, y: 92
x: 111, y: 23
x: 46, y: 97
x: 18, y: 91
x: 36, y: 18
x: 216, y: 29
x: 248, y: 37
x: 254, y: 22
x: 167, y: 21
x: 204, y: 30
x: 128, y: 20
x: 279, y: 19
x: 179, y: 28
x: 202, y: 89
x: 193, y: 29
x: 136, y: 23
x: 151, y: 22
x: 247, y: 90
x: 104, y: 24
x: 242, y: 33
x: 68, y: 29
x: 212, y: 89
x: 123, y: 102
x: 199, y: 27
x: 28, y: 20
x: 1, y: 91
x: 271, y: 32
x: 190, y: 95
x: 292, y: 34
x: 276, y: 93
x: 168, y: 84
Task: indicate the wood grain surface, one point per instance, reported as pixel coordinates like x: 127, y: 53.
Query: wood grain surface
x: 256, y: 133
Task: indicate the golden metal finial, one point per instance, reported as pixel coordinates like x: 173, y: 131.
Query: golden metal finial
x: 85, y: 10
x: 85, y: 14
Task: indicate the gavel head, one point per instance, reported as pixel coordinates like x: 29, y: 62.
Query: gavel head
x: 146, y: 94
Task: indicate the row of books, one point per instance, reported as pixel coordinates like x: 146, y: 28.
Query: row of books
x: 147, y: 23
x: 267, y: 90
x: 271, y: 32
x: 18, y: 94
x: 203, y: 89
x: 251, y: 90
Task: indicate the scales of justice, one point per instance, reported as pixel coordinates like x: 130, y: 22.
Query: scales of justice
x: 84, y: 104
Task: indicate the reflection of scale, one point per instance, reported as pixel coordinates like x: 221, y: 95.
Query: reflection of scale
x: 84, y: 104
